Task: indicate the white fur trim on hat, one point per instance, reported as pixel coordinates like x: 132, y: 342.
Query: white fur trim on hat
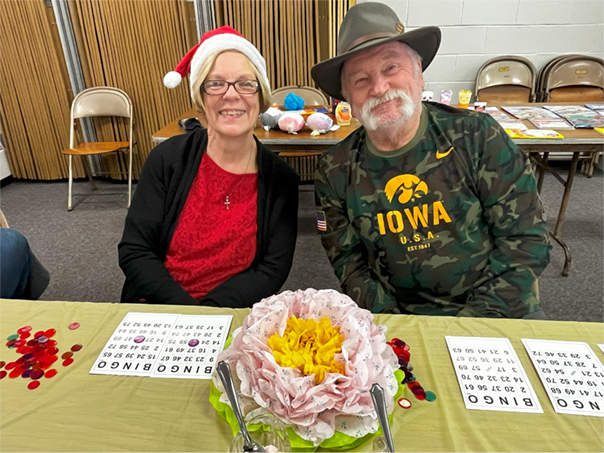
x: 172, y: 79
x: 226, y: 41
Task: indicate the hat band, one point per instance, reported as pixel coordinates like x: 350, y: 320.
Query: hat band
x: 364, y: 39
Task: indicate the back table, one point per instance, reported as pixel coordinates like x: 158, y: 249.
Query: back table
x: 76, y: 411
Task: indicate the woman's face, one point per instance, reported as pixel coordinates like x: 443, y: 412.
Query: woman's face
x: 231, y: 114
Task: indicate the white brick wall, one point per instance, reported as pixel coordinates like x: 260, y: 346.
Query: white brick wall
x: 474, y: 31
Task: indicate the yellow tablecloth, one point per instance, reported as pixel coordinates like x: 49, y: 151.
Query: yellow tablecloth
x: 76, y: 411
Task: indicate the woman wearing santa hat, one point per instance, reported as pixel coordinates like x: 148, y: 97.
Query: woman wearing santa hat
x: 214, y: 217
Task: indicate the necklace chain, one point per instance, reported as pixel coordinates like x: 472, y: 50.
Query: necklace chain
x: 232, y: 190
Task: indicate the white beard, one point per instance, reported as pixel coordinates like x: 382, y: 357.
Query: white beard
x: 373, y: 122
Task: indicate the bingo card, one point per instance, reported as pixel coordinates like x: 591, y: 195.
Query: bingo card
x: 601, y: 346
x: 164, y: 345
x: 191, y: 349
x: 490, y: 375
x: 571, y: 375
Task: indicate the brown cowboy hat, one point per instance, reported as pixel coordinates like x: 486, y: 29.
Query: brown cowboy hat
x: 366, y: 26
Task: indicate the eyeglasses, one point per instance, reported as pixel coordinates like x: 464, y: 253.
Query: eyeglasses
x: 214, y: 87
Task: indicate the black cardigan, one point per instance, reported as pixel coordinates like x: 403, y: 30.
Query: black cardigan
x: 160, y: 196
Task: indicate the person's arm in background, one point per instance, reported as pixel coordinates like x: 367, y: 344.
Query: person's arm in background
x: 139, y: 254
x: 265, y: 277
x: 342, y: 243
x: 512, y: 209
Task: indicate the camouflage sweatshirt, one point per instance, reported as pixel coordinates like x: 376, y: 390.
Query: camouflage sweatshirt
x: 450, y: 224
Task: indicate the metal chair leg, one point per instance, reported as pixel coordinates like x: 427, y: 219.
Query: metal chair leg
x: 130, y: 178
x: 88, y: 171
x: 70, y: 186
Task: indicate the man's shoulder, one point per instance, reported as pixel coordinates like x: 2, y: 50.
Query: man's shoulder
x: 343, y: 152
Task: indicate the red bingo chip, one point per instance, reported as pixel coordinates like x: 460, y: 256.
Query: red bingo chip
x: 33, y: 385
x: 36, y: 374
x: 67, y: 355
x: 50, y: 333
x: 25, y: 329
x: 39, y: 333
x: 10, y: 365
x: 76, y: 347
x: 2, y: 363
x: 67, y: 362
x: 52, y: 351
x: 50, y: 373
x: 74, y: 325
x: 15, y: 373
x: 3, y: 374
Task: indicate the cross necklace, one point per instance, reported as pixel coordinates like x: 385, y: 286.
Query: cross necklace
x: 226, y: 201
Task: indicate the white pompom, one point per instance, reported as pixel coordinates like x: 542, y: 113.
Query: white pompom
x: 172, y: 79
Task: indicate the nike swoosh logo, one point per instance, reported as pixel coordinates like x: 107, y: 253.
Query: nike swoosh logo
x: 440, y: 155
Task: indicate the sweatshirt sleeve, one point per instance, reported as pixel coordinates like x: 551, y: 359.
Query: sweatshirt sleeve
x: 342, y: 243
x: 513, y: 211
x: 139, y: 254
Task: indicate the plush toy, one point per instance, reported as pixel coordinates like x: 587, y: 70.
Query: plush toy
x: 291, y: 122
x: 293, y: 102
x: 270, y: 118
x: 319, y: 123
x: 427, y: 95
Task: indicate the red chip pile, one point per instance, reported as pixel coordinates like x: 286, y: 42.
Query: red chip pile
x: 37, y: 355
x: 401, y: 349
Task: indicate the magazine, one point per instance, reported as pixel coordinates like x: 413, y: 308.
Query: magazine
x: 526, y: 113
x: 533, y: 133
x: 566, y: 110
x: 586, y: 122
x: 551, y: 123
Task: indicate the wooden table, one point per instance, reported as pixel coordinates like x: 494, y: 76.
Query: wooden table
x: 77, y: 411
x: 278, y: 141
x: 577, y: 141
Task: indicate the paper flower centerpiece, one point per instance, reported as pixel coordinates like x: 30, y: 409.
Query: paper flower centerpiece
x: 310, y: 358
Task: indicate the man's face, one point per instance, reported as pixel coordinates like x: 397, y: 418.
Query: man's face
x: 384, y: 86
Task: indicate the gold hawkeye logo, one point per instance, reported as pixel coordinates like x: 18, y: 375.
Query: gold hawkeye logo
x: 410, y: 186
x: 440, y: 155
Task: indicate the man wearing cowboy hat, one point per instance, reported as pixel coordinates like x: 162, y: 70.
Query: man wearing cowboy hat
x: 426, y: 209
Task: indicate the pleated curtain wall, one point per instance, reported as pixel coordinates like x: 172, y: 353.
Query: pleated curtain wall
x: 35, y: 93
x: 292, y: 35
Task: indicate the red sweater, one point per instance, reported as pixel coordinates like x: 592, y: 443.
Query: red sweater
x: 212, y: 243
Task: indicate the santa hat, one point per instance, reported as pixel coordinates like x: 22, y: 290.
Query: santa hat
x: 212, y: 42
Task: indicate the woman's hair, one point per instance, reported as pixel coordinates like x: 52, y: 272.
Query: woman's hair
x: 264, y: 93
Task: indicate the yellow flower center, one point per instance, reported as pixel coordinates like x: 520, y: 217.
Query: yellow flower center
x: 309, y: 346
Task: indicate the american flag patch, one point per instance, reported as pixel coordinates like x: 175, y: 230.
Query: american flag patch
x: 321, y: 224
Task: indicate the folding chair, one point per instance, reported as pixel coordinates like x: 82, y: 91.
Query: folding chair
x: 98, y: 101
x: 575, y: 78
x: 311, y: 96
x: 542, y: 74
x: 508, y: 79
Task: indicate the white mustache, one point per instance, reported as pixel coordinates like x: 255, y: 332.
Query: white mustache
x: 390, y: 95
x: 372, y: 122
